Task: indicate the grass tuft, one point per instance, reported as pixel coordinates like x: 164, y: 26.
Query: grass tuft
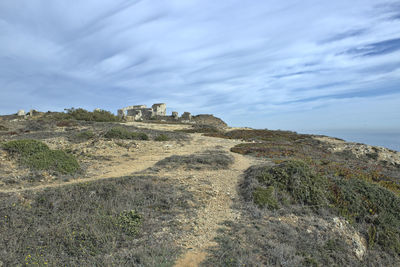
x: 122, y: 133
x: 162, y: 137
x: 130, y: 222
x: 85, y: 135
x: 212, y: 160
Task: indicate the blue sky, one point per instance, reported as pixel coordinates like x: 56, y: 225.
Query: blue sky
x: 299, y: 65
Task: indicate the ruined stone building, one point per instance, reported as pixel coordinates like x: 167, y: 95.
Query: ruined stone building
x: 142, y: 112
x: 157, y: 111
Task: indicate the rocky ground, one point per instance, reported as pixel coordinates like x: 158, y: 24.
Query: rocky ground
x: 217, y: 208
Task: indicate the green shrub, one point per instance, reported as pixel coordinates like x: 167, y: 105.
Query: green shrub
x: 66, y: 123
x: 122, y: 133
x: 85, y: 135
x: 39, y: 156
x: 209, y: 159
x: 372, y: 209
x: 56, y: 160
x: 162, y: 137
x: 265, y: 197
x: 203, y: 128
x: 25, y: 147
x: 130, y: 222
x: 97, y: 115
x: 362, y: 202
x: 295, y: 180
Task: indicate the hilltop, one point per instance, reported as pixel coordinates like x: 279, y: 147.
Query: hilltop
x: 91, y: 188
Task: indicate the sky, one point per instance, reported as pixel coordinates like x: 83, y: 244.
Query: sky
x: 294, y: 65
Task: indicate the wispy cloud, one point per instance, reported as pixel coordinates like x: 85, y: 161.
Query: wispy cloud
x: 230, y: 57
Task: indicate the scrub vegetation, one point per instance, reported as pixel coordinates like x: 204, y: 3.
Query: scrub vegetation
x: 128, y: 221
x: 208, y: 160
x: 81, y: 114
x: 38, y: 156
x: 123, y: 133
x: 307, y: 185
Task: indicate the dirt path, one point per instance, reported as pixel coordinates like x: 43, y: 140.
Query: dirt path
x: 222, y: 185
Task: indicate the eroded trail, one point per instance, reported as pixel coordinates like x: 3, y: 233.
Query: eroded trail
x: 222, y: 186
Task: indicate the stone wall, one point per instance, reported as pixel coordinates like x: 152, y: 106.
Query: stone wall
x: 160, y: 109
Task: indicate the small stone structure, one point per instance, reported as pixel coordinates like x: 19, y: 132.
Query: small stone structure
x: 175, y: 115
x: 186, y: 116
x: 21, y: 112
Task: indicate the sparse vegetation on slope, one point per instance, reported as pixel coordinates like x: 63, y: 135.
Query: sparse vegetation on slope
x: 128, y: 221
x: 84, y: 135
x: 162, y: 137
x: 213, y: 160
x: 122, y: 133
x: 294, y: 192
x: 291, y: 182
x: 38, y: 156
x: 202, y: 128
x: 81, y: 114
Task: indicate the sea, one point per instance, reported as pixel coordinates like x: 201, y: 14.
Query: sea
x: 388, y: 139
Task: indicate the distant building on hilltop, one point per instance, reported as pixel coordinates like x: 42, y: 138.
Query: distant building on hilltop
x: 142, y: 112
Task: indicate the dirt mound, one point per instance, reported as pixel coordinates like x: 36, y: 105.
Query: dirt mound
x: 208, y: 119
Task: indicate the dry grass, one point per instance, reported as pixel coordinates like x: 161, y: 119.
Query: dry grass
x: 120, y: 222
x: 207, y: 160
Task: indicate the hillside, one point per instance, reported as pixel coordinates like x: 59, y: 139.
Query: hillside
x: 111, y: 193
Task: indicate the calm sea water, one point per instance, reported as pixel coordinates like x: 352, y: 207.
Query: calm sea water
x: 389, y: 140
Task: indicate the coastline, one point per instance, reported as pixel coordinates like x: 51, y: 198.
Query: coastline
x: 386, y: 139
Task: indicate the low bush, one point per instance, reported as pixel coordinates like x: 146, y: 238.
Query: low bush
x: 97, y: 115
x: 26, y: 147
x: 162, y: 137
x: 81, y: 114
x: 66, y: 123
x: 85, y: 135
x: 129, y: 222
x: 56, y: 160
x: 289, y: 182
x: 38, y: 156
x: 261, y: 135
x: 372, y: 209
x: 375, y: 208
x: 122, y: 133
x: 265, y: 197
x: 3, y: 128
x: 202, y: 128
x: 213, y: 160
